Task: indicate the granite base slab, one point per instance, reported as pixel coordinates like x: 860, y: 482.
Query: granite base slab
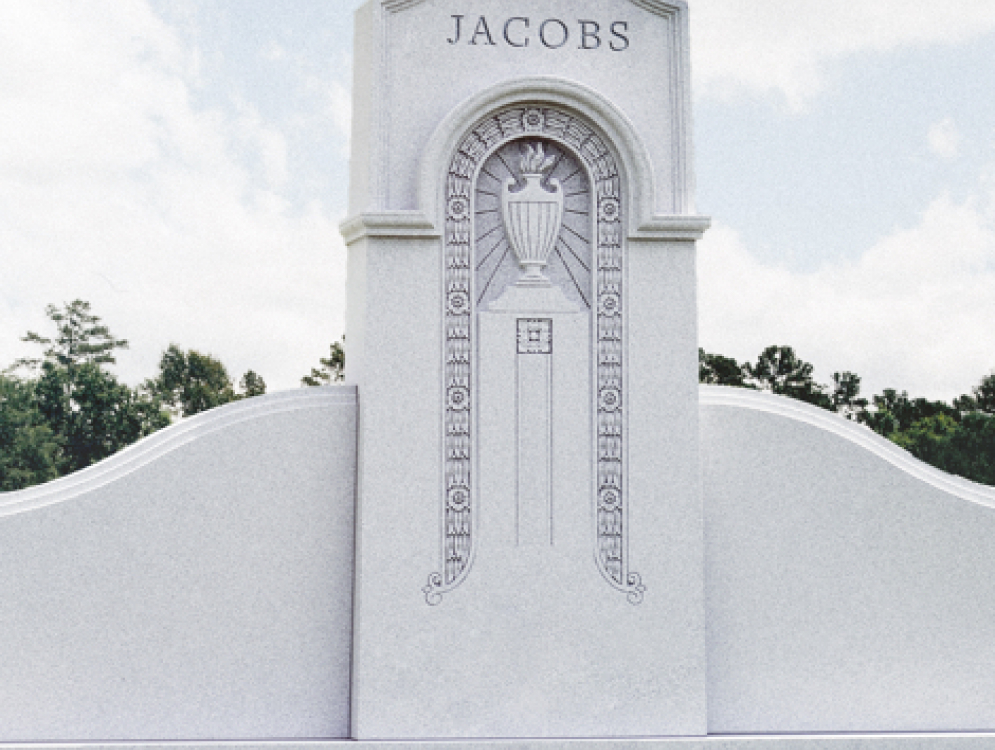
x: 896, y: 741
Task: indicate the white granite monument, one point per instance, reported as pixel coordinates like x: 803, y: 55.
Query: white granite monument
x: 523, y: 523
x: 522, y: 250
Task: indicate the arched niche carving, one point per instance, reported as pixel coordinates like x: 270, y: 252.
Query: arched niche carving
x: 587, y: 263
x: 630, y: 153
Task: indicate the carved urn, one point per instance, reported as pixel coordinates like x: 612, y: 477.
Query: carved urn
x: 532, y: 216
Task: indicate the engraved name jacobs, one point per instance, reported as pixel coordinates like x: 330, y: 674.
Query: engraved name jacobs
x: 551, y: 33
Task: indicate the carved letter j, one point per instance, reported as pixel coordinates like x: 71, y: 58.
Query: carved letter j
x: 456, y: 36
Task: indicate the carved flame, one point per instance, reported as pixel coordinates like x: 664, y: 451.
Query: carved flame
x: 534, y: 161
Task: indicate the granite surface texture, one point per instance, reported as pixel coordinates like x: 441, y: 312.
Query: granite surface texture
x: 849, y: 587
x: 196, y: 585
x: 949, y: 741
x: 414, y: 69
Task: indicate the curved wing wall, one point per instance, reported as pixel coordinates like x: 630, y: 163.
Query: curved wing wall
x: 196, y: 585
x: 849, y: 587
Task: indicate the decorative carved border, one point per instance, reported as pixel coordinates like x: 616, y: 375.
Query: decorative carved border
x: 459, y: 501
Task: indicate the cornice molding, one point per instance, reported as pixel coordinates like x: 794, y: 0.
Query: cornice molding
x: 165, y: 441
x: 387, y: 224
x: 660, y: 7
x: 394, y: 6
x: 680, y: 227
x: 858, y: 434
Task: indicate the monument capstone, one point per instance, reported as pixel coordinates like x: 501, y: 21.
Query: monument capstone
x: 522, y: 523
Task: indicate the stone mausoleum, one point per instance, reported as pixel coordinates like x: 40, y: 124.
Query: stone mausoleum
x: 522, y: 522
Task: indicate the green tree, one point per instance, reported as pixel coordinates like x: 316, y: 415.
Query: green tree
x: 779, y: 370
x: 966, y: 448
x: 28, y: 449
x: 716, y: 369
x: 251, y: 384
x: 80, y: 338
x: 191, y: 382
x: 101, y: 417
x: 974, y: 443
x: 332, y: 368
x: 959, y: 439
x: 846, y: 398
x: 895, y: 412
x: 982, y: 397
x: 88, y: 414
x: 929, y: 439
x: 72, y: 412
x: 984, y: 394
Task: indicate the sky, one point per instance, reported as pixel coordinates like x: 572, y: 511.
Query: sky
x: 182, y: 165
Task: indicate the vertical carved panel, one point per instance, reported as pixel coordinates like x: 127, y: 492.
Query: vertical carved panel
x: 479, y: 264
x: 534, y: 428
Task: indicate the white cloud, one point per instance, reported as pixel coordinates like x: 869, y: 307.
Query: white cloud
x: 264, y: 144
x: 944, y: 139
x: 915, y: 312
x: 274, y: 51
x: 115, y: 187
x: 783, y: 46
x: 70, y: 105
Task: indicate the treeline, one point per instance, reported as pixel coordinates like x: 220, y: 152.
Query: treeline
x: 956, y: 437
x: 65, y: 410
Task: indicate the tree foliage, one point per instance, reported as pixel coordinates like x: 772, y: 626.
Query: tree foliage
x: 190, y: 382
x: 332, y: 368
x: 845, y: 397
x: 78, y: 412
x: 28, y: 447
x: 79, y: 339
x: 252, y: 384
x: 716, y: 369
x: 98, y: 417
x: 981, y: 398
x: 965, y: 447
x: 779, y: 370
x: 895, y: 412
x: 958, y: 438
x: 69, y: 411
